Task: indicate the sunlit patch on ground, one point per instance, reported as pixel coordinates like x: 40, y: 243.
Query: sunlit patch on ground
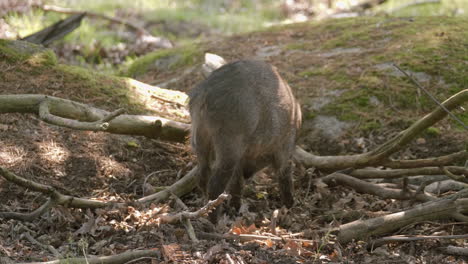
x: 53, y: 152
x: 12, y: 155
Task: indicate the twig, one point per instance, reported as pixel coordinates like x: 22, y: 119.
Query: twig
x: 185, y: 221
x: 171, y: 218
x: 432, y: 97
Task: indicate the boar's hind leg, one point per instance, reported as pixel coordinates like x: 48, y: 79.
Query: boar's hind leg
x: 227, y: 169
x: 283, y: 172
x: 202, y: 148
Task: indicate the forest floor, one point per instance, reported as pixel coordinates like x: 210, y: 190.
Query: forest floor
x: 123, y: 168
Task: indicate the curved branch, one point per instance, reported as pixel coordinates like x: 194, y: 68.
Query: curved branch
x: 179, y: 188
x: 149, y: 126
x: 370, y: 188
x: 56, y: 198
x: 99, y: 125
x: 172, y: 218
x: 30, y: 216
x: 385, y: 150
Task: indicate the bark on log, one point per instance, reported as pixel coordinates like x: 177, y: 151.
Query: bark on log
x: 434, y: 210
x: 149, y: 126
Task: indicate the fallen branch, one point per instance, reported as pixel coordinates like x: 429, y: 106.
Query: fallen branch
x: 172, y: 218
x: 186, y: 221
x: 29, y: 217
x: 46, y: 247
x: 115, y: 259
x: 380, y: 154
x: 60, y: 111
x: 69, y: 11
x: 99, y: 125
x: 400, y: 173
x: 391, y: 239
x: 435, y: 210
x: 452, y: 250
x: 371, y: 188
x: 179, y: 188
x: 430, y: 162
x: 459, y: 178
x: 56, y: 198
x: 248, y: 237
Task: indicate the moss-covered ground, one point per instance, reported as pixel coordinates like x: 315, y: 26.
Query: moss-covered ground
x: 354, y: 56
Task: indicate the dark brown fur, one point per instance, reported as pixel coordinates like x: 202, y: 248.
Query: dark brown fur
x: 244, y: 118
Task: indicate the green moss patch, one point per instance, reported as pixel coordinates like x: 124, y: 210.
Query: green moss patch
x: 167, y: 59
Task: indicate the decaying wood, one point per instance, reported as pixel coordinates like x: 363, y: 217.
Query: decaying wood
x: 442, y: 208
x: 115, y: 259
x: 92, y: 118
